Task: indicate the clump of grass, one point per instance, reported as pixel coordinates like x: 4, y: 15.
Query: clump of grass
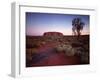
x: 66, y: 48
x: 85, y: 57
x: 35, y: 44
x: 83, y: 53
x: 30, y: 52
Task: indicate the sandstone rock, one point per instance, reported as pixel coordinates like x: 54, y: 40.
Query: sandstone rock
x: 53, y: 34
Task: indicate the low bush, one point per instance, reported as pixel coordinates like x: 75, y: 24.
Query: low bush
x: 85, y: 58
x: 67, y: 49
x: 33, y: 44
x: 30, y: 52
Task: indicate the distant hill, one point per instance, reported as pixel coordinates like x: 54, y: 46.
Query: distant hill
x: 53, y: 34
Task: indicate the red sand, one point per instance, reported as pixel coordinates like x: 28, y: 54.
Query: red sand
x: 56, y: 58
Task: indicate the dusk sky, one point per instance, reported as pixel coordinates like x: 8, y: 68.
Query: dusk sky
x: 38, y: 23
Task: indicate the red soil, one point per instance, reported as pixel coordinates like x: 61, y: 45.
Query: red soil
x: 55, y: 58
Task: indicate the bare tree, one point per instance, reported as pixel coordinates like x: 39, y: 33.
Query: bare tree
x: 77, y: 26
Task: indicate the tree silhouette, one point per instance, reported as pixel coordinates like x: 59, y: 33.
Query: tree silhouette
x: 77, y: 26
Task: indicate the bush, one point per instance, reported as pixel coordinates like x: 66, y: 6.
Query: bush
x: 70, y: 52
x: 43, y: 42
x: 85, y: 58
x: 79, y: 51
x: 30, y: 52
x: 67, y: 49
x: 59, y: 48
x: 33, y: 44
x: 77, y: 44
x: 86, y: 47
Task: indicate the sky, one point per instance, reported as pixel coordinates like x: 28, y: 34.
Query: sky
x: 38, y: 23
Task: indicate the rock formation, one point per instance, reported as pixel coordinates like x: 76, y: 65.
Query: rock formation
x: 53, y: 34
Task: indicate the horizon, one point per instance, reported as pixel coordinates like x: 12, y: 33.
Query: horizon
x: 39, y: 23
x: 63, y: 35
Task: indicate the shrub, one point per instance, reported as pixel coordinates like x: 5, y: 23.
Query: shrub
x: 70, y: 52
x: 77, y: 44
x: 30, y: 52
x: 43, y: 42
x: 79, y: 51
x: 86, y: 47
x: 35, y: 44
x: 67, y: 49
x: 59, y: 48
x: 85, y: 58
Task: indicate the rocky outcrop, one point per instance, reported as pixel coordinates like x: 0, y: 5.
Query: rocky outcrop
x: 54, y: 34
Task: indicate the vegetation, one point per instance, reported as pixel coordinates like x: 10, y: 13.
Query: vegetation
x: 78, y: 25
x: 67, y: 45
x: 67, y: 49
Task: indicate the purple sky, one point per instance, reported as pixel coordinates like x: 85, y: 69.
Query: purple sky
x: 38, y: 23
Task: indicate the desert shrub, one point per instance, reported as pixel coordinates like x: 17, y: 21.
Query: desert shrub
x: 77, y: 44
x: 30, y: 52
x: 70, y: 52
x: 43, y: 43
x: 79, y: 51
x: 85, y: 58
x: 84, y: 55
x: 86, y: 47
x: 59, y: 48
x: 67, y: 49
x: 33, y: 44
x: 36, y: 45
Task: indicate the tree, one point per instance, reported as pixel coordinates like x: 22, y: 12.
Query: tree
x: 77, y: 26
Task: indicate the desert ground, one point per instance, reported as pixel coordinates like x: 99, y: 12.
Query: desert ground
x: 56, y: 51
